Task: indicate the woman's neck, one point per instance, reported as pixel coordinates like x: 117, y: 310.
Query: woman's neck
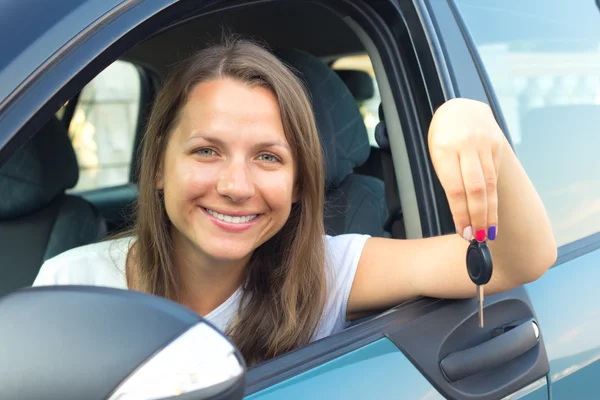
x: 205, y: 282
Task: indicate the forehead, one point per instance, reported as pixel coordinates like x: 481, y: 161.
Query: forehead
x: 232, y: 100
x: 231, y: 112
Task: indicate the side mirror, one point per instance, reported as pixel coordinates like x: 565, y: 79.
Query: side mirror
x: 83, y: 342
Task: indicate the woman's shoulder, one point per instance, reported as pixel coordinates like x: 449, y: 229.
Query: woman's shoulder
x: 343, y: 251
x: 345, y: 240
x: 342, y: 254
x: 345, y: 244
x: 101, y: 263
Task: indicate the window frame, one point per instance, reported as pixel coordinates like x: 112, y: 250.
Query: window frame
x: 72, y: 70
x: 419, y: 97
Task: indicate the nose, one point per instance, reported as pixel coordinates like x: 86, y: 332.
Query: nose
x: 235, y: 181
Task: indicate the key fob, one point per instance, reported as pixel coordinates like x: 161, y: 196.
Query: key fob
x: 479, y: 262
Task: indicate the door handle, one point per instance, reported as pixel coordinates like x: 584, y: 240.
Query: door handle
x: 505, y: 347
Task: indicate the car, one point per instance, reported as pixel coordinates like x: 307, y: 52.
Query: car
x: 77, y: 79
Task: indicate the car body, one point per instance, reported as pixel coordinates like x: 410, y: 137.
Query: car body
x: 423, y: 52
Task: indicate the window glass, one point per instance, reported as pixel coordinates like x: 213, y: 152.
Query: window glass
x: 104, y: 125
x: 369, y: 108
x: 543, y: 61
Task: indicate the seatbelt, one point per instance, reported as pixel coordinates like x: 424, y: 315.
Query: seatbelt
x: 395, y: 221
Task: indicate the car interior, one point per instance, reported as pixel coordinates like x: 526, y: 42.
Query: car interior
x: 46, y: 211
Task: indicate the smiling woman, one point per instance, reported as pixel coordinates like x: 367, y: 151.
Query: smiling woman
x: 231, y: 205
x: 230, y: 212
x: 236, y: 156
x: 218, y: 148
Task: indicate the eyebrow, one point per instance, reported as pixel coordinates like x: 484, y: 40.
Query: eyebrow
x: 218, y: 141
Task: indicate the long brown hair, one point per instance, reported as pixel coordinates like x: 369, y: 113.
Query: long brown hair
x: 285, y: 282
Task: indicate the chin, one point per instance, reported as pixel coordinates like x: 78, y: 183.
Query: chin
x: 228, y: 251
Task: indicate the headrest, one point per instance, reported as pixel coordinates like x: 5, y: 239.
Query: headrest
x: 38, y: 172
x: 341, y: 127
x: 358, y: 82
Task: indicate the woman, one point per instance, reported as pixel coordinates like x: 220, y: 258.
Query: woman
x: 230, y: 214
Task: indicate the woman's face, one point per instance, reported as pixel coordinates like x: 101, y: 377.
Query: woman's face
x: 228, y: 175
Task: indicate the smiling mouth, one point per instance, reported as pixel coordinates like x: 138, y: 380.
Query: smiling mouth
x: 239, y: 219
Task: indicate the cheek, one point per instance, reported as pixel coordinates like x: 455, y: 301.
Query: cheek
x: 278, y: 190
x: 187, y: 179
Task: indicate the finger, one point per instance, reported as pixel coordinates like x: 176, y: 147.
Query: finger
x: 451, y: 179
x: 491, y: 191
x: 497, y: 150
x: 474, y: 182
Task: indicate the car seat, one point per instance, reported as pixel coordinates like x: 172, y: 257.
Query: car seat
x: 38, y: 220
x: 354, y: 203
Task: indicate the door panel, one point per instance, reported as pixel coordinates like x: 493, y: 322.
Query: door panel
x: 465, y: 361
x: 543, y: 62
x: 400, y: 354
x: 460, y: 75
x: 376, y: 371
x: 567, y: 302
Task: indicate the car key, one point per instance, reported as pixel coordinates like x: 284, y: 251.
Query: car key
x: 479, y: 266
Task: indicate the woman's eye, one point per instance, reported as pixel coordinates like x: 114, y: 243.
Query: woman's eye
x: 206, y: 152
x: 268, y: 157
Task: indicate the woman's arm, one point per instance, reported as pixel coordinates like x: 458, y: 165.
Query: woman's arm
x: 486, y: 186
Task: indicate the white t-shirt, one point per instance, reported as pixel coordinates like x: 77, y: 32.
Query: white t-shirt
x: 103, y: 264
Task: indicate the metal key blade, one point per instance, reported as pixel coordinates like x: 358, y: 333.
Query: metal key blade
x: 480, y: 304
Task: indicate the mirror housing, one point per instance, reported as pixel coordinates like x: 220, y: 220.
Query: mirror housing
x: 74, y: 342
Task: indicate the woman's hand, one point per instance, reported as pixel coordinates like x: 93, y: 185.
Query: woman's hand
x: 466, y: 145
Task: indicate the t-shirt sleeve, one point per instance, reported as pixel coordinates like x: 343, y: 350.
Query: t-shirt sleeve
x: 98, y: 264
x: 62, y: 270
x: 342, y: 255
x: 47, y: 275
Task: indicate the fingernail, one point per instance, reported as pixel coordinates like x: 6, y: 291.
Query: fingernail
x: 492, y: 232
x: 480, y: 235
x: 467, y: 233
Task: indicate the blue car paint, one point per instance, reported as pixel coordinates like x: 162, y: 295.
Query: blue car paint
x: 378, y: 371
x: 567, y: 303
x: 375, y: 371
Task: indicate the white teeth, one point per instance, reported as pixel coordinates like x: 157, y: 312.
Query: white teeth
x: 229, y: 218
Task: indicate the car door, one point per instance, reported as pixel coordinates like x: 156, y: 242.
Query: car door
x: 425, y: 348
x: 401, y: 353
x: 542, y: 60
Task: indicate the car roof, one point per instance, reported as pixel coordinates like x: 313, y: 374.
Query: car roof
x: 36, y: 29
